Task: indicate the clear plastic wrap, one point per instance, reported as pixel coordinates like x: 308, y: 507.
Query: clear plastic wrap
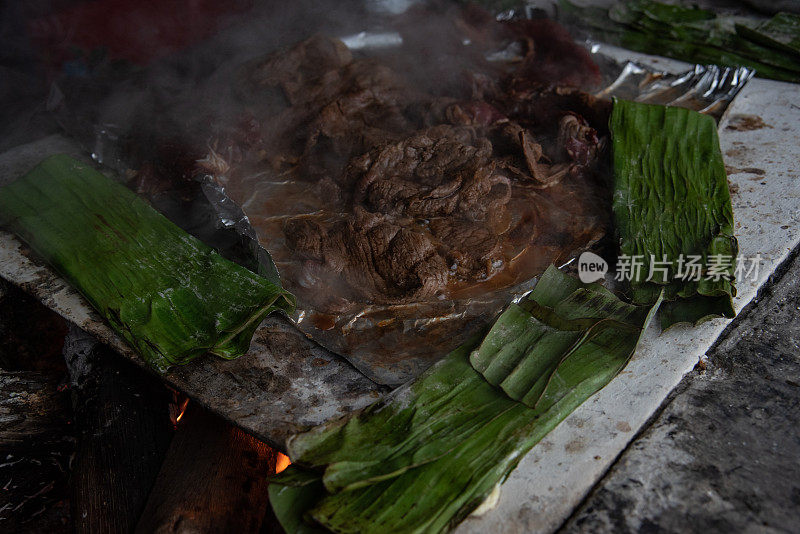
x: 393, y: 342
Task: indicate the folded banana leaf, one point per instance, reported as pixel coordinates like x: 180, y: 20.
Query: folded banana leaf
x: 559, y: 319
x: 672, y: 207
x: 695, y: 35
x: 701, y: 28
x: 166, y: 293
x: 423, y: 458
x: 781, y: 31
x: 413, y: 425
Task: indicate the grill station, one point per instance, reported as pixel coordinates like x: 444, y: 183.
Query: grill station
x: 192, y: 450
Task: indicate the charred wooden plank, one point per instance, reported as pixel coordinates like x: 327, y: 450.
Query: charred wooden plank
x: 36, y: 437
x: 122, y: 415
x: 36, y: 443
x: 214, y: 479
x: 33, y: 412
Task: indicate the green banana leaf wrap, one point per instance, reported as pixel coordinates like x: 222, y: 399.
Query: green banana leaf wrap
x: 781, y: 31
x: 422, y: 458
x: 171, y: 297
x: 688, y: 33
x: 672, y: 207
x: 560, y: 319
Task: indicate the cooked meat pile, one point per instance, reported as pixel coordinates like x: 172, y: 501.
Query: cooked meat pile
x: 407, y: 193
x: 370, y: 186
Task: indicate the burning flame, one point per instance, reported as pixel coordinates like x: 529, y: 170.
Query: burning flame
x: 178, y: 409
x: 182, y: 409
x: 282, y: 463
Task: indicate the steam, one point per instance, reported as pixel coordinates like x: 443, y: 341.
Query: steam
x: 183, y: 96
x: 185, y: 93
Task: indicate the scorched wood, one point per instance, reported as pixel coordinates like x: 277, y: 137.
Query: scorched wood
x: 214, y: 479
x: 122, y: 415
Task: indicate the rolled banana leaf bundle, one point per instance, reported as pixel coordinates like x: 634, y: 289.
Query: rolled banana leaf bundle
x: 688, y: 33
x: 171, y: 297
x: 424, y: 457
x: 781, y: 32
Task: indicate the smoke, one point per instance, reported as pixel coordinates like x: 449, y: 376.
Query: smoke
x: 431, y: 43
x: 103, y: 70
x: 184, y: 93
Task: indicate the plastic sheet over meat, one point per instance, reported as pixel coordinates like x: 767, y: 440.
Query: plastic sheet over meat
x: 404, y: 216
x: 393, y: 339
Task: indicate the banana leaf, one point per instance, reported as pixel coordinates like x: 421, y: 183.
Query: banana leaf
x: 171, y: 297
x: 291, y: 499
x: 781, y: 31
x: 522, y: 353
x: 672, y: 205
x: 411, y: 426
x: 710, y: 34
x: 695, y: 35
x: 702, y: 54
x: 423, y: 458
x: 633, y: 11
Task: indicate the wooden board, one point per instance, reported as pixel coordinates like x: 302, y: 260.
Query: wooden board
x: 214, y: 479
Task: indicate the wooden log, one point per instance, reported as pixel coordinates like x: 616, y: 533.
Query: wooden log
x: 122, y: 415
x: 36, y: 436
x: 32, y: 410
x: 36, y: 443
x: 31, y: 335
x: 214, y: 479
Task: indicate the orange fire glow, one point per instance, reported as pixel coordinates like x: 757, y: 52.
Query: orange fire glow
x: 282, y: 463
x: 182, y: 410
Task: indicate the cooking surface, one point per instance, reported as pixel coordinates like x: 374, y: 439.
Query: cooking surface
x: 404, y: 201
x: 271, y: 394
